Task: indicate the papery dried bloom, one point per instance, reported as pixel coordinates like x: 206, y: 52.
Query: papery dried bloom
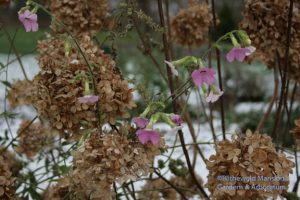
x: 58, y: 87
x: 21, y: 93
x: 11, y: 161
x: 7, y: 185
x: 29, y: 21
x: 186, y: 184
x: 296, y: 132
x: 79, y: 16
x: 111, y: 157
x: 4, y: 3
x: 266, y: 21
x: 32, y: 138
x: 155, y: 189
x: 190, y: 26
x: 251, y: 156
x: 63, y: 189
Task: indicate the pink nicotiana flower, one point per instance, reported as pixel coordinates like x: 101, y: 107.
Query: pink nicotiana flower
x: 176, y: 119
x: 88, y: 99
x: 140, y: 122
x: 213, y: 96
x: 29, y: 21
x: 148, y: 135
x: 238, y: 53
x: 203, y: 75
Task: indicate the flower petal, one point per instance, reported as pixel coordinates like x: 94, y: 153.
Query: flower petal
x: 241, y: 54
x: 27, y: 25
x: 154, y: 137
x: 32, y: 17
x: 34, y: 26
x: 197, y: 78
x: 231, y: 55
x: 143, y: 136
x: 140, y: 122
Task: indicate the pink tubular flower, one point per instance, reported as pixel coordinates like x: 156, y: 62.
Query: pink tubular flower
x: 29, y: 21
x: 145, y: 135
x: 88, y: 99
x: 203, y: 75
x: 239, y: 53
x: 140, y: 122
x: 176, y: 119
x: 214, y: 96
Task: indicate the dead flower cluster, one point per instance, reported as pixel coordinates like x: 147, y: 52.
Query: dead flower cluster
x: 190, y: 26
x: 250, y: 156
x: 108, y: 158
x: 33, y: 138
x: 7, y: 181
x: 155, y: 189
x: 79, y: 16
x: 266, y: 23
x: 21, y: 93
x: 61, y: 81
x: 296, y: 132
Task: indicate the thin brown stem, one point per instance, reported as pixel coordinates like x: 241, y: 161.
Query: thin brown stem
x: 218, y: 55
x: 284, y: 85
x: 15, y: 52
x: 274, y: 97
x: 171, y: 185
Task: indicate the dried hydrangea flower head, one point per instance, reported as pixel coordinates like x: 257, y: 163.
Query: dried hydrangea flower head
x: 79, y: 16
x: 190, y: 26
x: 60, y: 83
x: 64, y: 189
x: 296, y: 132
x: 266, y: 24
x: 33, y: 137
x: 11, y: 161
x: 4, y: 3
x: 7, y: 181
x: 111, y: 157
x: 155, y: 189
x: 21, y: 93
x: 251, y: 156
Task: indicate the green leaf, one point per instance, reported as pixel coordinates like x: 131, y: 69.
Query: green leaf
x: 2, y: 66
x: 186, y: 61
x: 7, y: 114
x: 6, y: 83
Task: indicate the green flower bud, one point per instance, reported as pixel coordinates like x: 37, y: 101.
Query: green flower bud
x: 87, y: 87
x: 244, y: 38
x: 68, y: 45
x: 234, y: 40
x: 186, y: 61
